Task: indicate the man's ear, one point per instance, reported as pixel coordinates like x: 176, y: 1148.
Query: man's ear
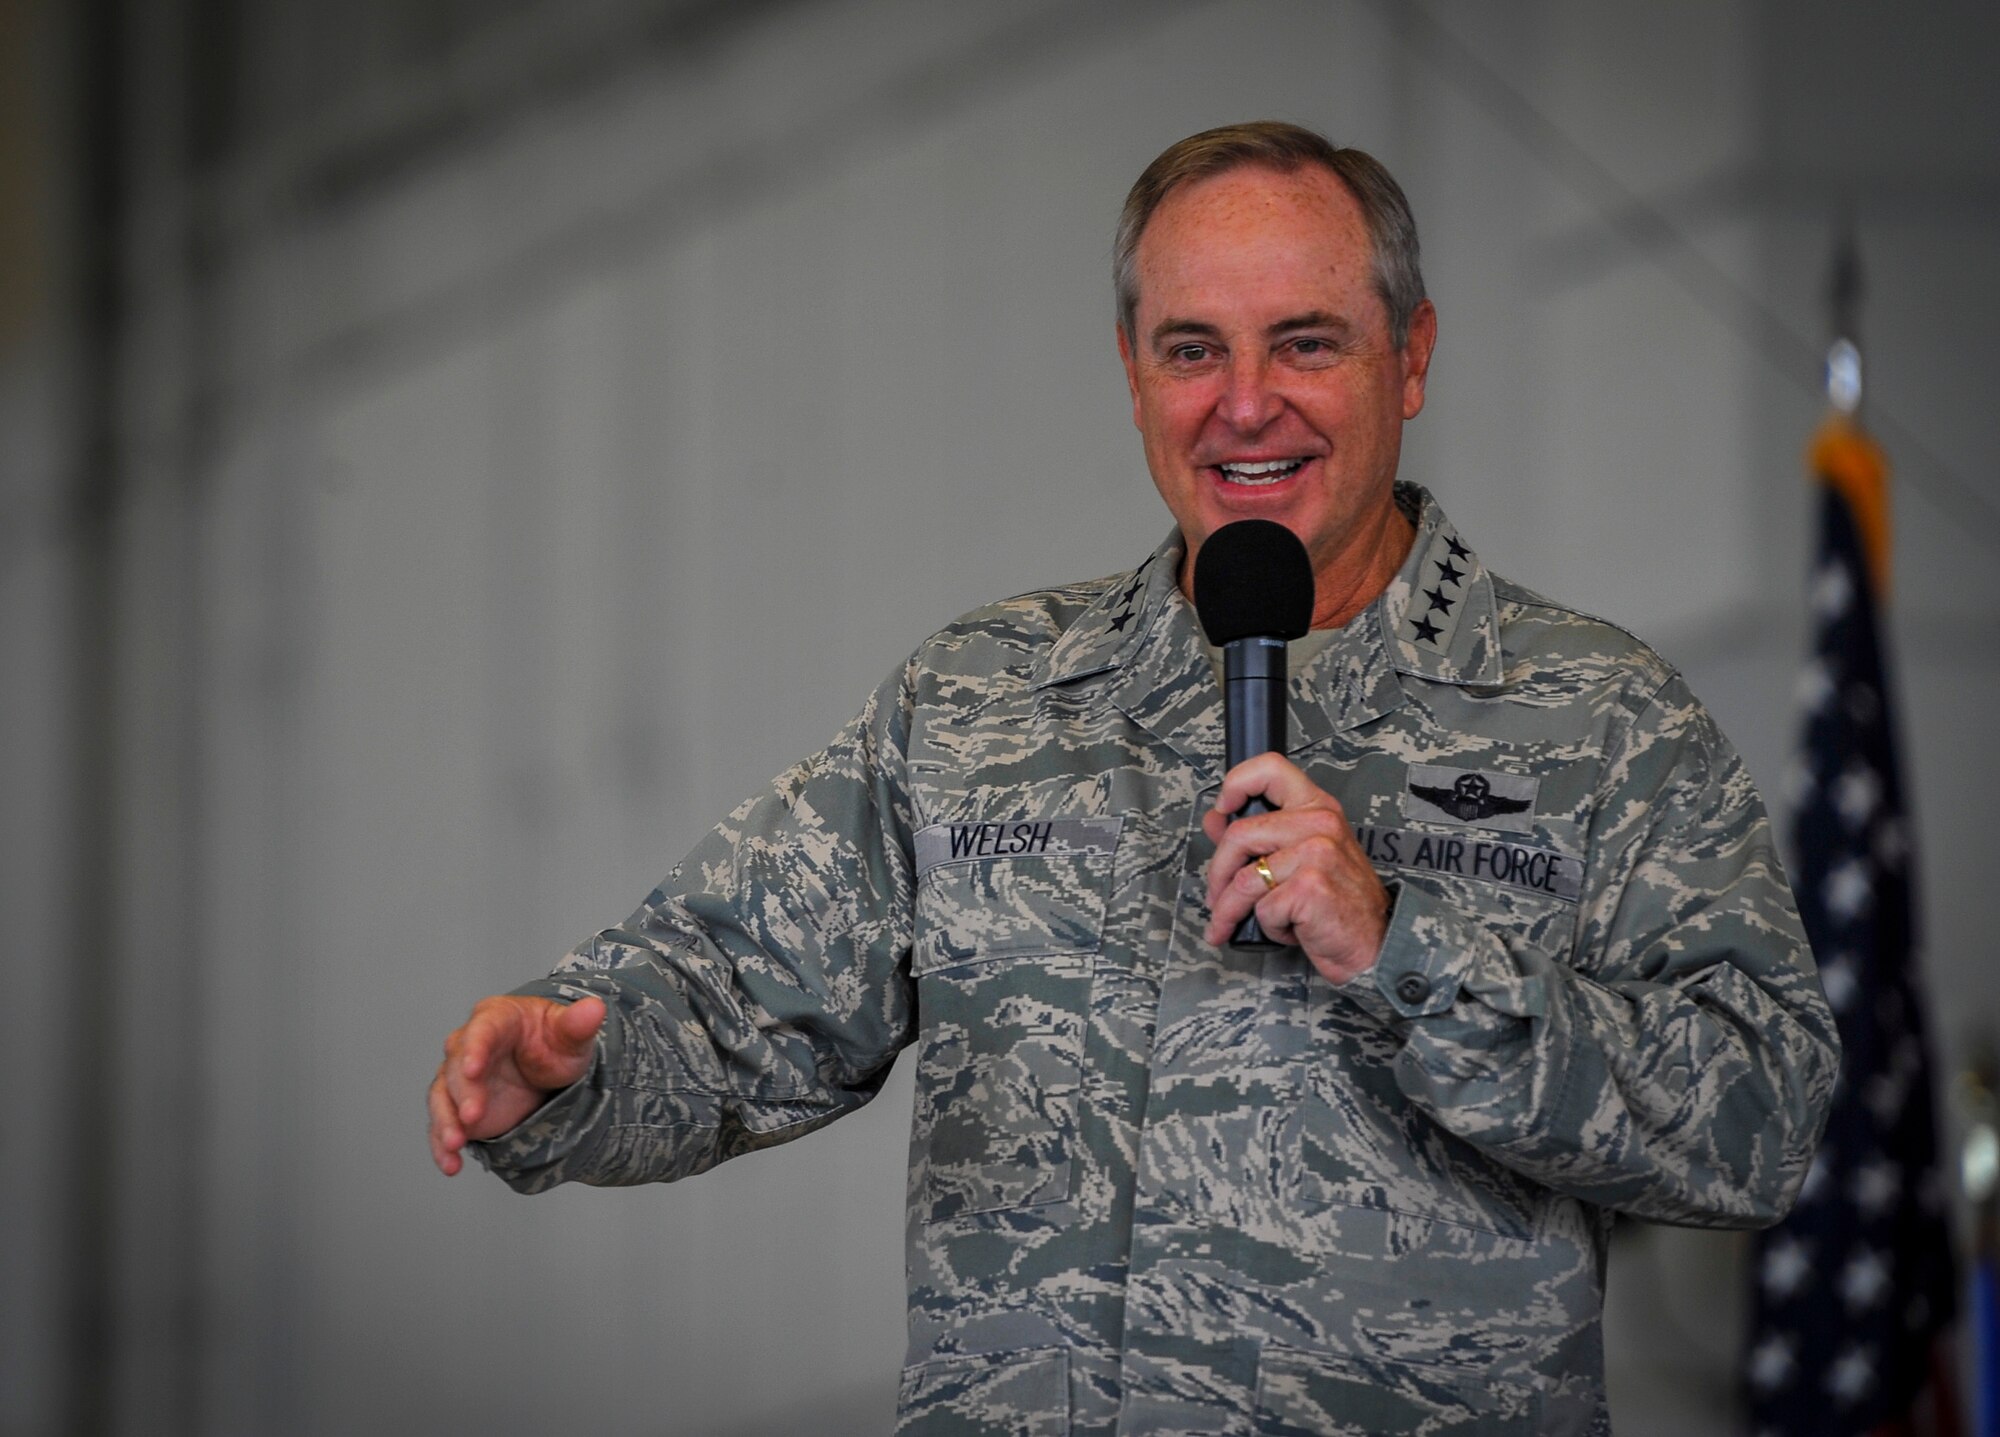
x: 1417, y: 357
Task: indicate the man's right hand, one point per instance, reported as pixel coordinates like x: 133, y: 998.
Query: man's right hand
x: 503, y: 1064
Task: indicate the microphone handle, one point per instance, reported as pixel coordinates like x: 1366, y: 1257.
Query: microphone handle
x: 1253, y: 719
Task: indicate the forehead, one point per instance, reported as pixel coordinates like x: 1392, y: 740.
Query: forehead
x: 1253, y: 231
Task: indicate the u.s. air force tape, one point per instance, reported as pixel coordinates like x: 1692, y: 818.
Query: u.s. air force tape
x: 944, y: 843
x: 1487, y: 860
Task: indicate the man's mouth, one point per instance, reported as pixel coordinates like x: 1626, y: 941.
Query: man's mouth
x: 1268, y: 471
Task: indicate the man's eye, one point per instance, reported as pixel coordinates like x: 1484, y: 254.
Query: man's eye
x: 1188, y: 353
x: 1310, y: 346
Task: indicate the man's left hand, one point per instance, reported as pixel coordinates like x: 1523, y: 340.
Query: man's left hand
x: 1324, y: 896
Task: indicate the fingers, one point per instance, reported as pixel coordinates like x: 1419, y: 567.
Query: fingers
x: 495, y: 1024
x: 1273, y: 903
x: 1304, y: 809
x: 1298, y: 870
x: 447, y: 1138
x: 457, y: 1095
x: 1276, y: 779
x: 1321, y: 893
x: 1323, y: 897
x: 1239, y: 843
x: 478, y: 1053
x: 461, y: 1093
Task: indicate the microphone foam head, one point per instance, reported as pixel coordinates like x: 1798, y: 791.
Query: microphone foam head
x: 1252, y: 579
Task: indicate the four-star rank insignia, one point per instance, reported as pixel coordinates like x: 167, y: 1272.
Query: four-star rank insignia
x: 1430, y: 622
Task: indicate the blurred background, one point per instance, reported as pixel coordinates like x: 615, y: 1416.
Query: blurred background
x: 451, y: 450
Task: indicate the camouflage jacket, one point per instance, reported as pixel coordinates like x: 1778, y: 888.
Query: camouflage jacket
x: 1159, y: 1187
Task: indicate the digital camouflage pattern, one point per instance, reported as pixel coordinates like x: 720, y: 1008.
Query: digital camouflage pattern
x: 1156, y: 1187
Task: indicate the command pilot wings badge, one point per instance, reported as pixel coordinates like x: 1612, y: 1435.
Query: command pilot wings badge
x: 1469, y: 796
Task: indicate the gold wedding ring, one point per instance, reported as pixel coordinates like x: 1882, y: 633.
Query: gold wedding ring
x: 1264, y: 872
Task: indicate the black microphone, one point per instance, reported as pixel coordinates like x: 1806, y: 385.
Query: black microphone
x: 1253, y: 592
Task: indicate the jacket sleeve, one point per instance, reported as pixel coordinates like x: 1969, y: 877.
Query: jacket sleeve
x: 1678, y: 1064
x: 761, y: 991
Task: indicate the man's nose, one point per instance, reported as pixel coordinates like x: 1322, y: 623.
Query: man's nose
x: 1250, y: 402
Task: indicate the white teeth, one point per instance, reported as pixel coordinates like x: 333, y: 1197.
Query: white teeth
x: 1269, y: 471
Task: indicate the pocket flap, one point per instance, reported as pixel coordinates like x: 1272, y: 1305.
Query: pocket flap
x: 988, y: 890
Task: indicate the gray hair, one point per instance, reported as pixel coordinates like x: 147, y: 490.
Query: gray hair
x: 1275, y: 145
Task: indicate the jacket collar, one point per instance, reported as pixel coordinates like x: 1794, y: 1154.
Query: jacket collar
x: 1434, y: 621
x: 1439, y: 609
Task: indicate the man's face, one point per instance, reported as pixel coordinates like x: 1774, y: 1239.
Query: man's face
x: 1264, y: 377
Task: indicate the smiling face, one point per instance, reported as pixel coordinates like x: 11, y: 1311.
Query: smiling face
x: 1265, y: 379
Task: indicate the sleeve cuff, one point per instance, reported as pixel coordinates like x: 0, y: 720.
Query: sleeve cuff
x: 1413, y: 977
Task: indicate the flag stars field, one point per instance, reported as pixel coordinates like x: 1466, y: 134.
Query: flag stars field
x: 1876, y: 1186
x: 1857, y: 794
x: 1864, y: 1282
x: 1848, y: 889
x: 1832, y: 591
x: 1852, y: 1375
x: 1813, y: 691
x: 1785, y: 1266
x: 1886, y: 1095
x: 1772, y: 1364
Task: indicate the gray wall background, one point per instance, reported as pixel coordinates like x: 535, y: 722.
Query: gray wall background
x: 450, y: 452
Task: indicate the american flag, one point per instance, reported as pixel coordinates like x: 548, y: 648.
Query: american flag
x: 1854, y: 1290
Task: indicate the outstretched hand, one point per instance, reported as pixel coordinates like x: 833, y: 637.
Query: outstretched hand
x: 506, y: 1060
x: 1323, y: 896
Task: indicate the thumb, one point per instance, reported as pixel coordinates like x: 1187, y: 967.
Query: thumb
x: 560, y: 1051
x: 574, y: 1027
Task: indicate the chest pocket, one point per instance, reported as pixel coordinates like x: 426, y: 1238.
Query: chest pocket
x: 1010, y: 917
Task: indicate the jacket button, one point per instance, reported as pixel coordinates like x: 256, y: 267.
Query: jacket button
x: 1413, y: 987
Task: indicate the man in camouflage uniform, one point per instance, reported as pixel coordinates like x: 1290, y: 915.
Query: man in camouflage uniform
x: 1543, y: 963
